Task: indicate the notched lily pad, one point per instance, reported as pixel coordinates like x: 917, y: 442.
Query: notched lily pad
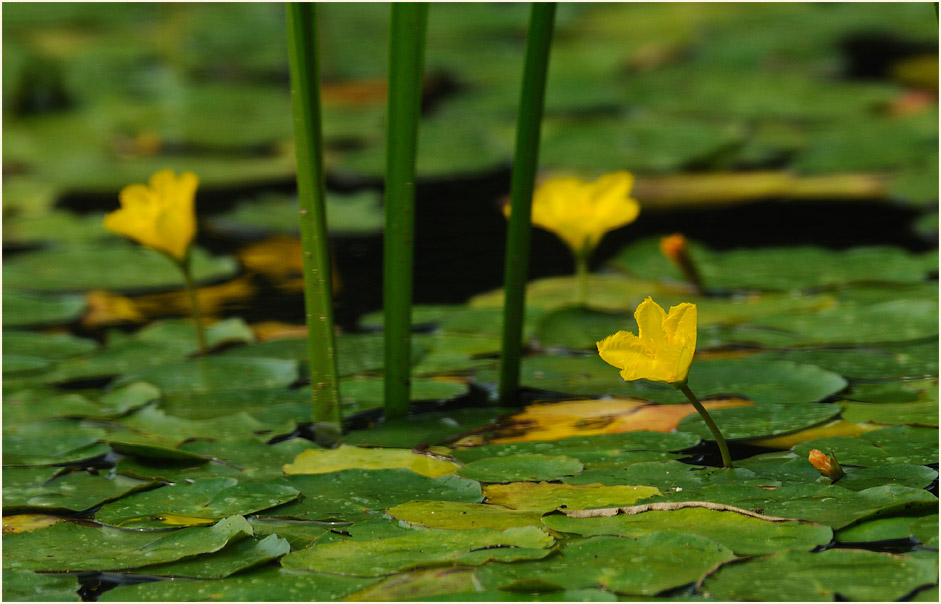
x: 231, y: 559
x: 760, y: 421
x: 72, y: 492
x: 344, y: 457
x: 545, y: 497
x: 461, y: 516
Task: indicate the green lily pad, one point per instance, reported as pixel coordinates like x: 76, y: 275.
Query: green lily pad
x: 206, y: 374
x: 909, y: 359
x: 925, y: 529
x: 832, y: 505
x: 761, y: 381
x: 783, y: 467
x: 667, y: 475
x: 201, y: 502
x: 911, y: 414
x: 51, y: 442
x: 426, y: 547
x: 229, y: 560
x: 328, y: 496
x: 22, y: 309
x: 644, y: 565
x: 66, y: 546
x: 545, y: 497
x: 785, y: 269
x: 152, y: 427
x: 744, y: 535
x: 73, y: 492
x: 111, y: 265
x: 640, y: 440
x: 881, y: 529
x: 909, y: 391
x: 758, y: 421
x: 418, y: 584
x: 267, y: 584
x: 522, y: 467
x: 425, y: 428
x: 26, y: 586
x: 250, y: 457
x: 363, y: 393
x: 45, y: 345
x: 299, y: 534
x: 14, y: 364
x: 358, y: 213
x: 152, y: 449
x: 35, y: 404
x: 850, y: 574
x: 260, y: 403
x: 461, y: 516
x: 899, y: 444
x: 480, y: 322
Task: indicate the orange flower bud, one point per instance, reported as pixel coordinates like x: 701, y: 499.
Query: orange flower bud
x: 673, y: 247
x: 827, y: 465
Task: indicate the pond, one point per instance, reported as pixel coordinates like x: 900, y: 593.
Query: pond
x: 783, y: 160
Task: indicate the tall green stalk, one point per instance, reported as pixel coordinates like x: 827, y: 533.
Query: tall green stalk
x: 525, y: 162
x: 305, y: 96
x: 406, y: 58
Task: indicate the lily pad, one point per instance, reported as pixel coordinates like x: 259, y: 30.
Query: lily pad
x: 910, y: 359
x: 348, y: 494
x: 425, y: 428
x: 263, y: 585
x: 422, y: 548
x: 363, y: 393
x: 666, y: 476
x: 344, y: 457
x: 214, y: 373
x: 203, y: 501
x: 359, y: 213
x: 51, y: 442
x: 522, y: 467
x: 881, y: 529
x: 785, y: 269
x: 73, y: 492
x: 462, y: 516
x: 545, y: 497
x: 911, y: 414
x: 26, y: 586
x: 111, y: 265
x: 850, y: 574
x: 299, y: 534
x: 744, y: 535
x: 418, y: 584
x: 71, y: 547
x: 152, y: 427
x: 229, y: 560
x: 251, y: 458
x: 22, y: 309
x: 644, y: 565
x: 44, y: 345
x: 757, y: 421
x: 900, y: 444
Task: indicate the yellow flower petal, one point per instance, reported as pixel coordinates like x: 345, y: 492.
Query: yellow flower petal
x: 664, y: 348
x: 580, y: 212
x: 160, y: 215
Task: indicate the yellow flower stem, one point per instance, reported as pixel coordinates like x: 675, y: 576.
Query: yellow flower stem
x: 194, y: 303
x: 723, y: 447
x: 581, y: 275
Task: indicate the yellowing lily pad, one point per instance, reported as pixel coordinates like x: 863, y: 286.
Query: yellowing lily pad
x: 522, y: 467
x: 545, y: 497
x: 344, y: 457
x: 426, y: 547
x: 744, y: 535
x: 462, y: 516
x: 23, y: 523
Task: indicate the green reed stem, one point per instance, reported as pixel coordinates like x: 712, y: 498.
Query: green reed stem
x: 305, y: 96
x: 406, y: 58
x: 185, y: 266
x: 723, y: 447
x: 525, y: 162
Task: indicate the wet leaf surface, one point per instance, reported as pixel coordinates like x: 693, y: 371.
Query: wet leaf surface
x: 345, y: 457
x: 26, y: 586
x: 522, y: 467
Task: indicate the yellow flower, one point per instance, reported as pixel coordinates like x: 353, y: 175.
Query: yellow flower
x: 580, y: 212
x: 160, y: 215
x: 664, y: 349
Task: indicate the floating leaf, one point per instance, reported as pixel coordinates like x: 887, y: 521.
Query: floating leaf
x: 835, y: 427
x: 545, y: 497
x: 900, y: 444
x: 348, y: 494
x: 250, y: 457
x: 214, y: 373
x: 909, y: 359
x: 201, y: 502
x: 21, y: 309
x: 110, y: 265
x: 881, y: 529
x: 425, y: 428
x: 461, y: 516
x: 26, y: 586
x: 666, y: 476
x: 644, y: 565
x: 51, y: 442
x: 72, y: 492
x: 298, y: 533
x: 850, y: 574
x: 71, y: 547
x: 344, y: 457
x: 267, y: 584
x: 418, y: 584
x: 22, y: 523
x: 522, y: 467
x: 758, y: 421
x: 229, y: 560
x: 744, y: 535
x: 426, y: 547
x: 359, y: 213
x: 911, y: 414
